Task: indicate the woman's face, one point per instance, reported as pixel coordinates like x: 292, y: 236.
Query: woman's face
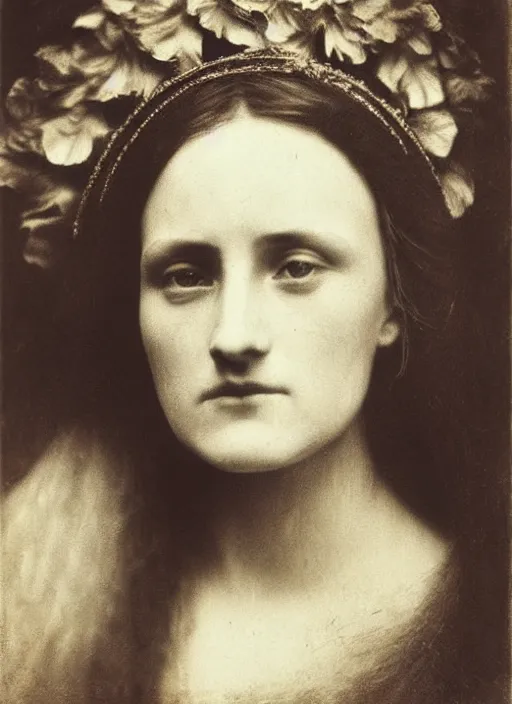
x: 263, y: 293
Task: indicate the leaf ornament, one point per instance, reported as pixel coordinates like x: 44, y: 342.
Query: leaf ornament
x: 91, y: 72
x: 462, y: 90
x: 284, y: 28
x: 82, y: 60
x: 221, y: 18
x: 22, y: 99
x: 436, y: 130
x: 25, y: 142
x: 119, y: 7
x: 13, y: 172
x: 261, y: 6
x: 107, y: 30
x: 422, y: 85
x: 368, y: 10
x: 382, y: 29
x: 57, y: 118
x: 93, y: 19
x: 339, y: 44
x: 69, y: 139
x: 128, y: 79
x: 458, y: 190
x: 172, y: 38
x: 420, y: 43
x: 419, y: 81
x: 48, y: 205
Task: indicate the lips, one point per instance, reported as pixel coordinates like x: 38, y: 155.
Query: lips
x: 240, y: 390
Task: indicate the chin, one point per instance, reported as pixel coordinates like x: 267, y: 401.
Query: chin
x: 251, y: 455
x: 243, y: 462
x: 241, y: 453
x: 252, y: 448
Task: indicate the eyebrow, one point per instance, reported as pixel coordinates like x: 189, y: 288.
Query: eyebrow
x: 162, y: 250
x: 332, y: 245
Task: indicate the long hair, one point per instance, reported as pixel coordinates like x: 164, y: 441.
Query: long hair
x: 109, y: 499
x: 419, y: 252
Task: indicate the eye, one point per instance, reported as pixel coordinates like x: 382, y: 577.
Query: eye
x: 181, y: 276
x: 297, y: 268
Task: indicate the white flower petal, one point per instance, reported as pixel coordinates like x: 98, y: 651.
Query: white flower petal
x: 24, y: 137
x: 74, y: 96
x: 315, y: 4
x: 49, y: 206
x: 20, y: 101
x: 447, y: 59
x: 240, y: 35
x: 421, y: 44
x: 337, y: 43
x: 282, y: 24
x: 458, y: 191
x: 422, y: 85
x: 254, y: 5
x: 185, y: 42
x: 69, y: 150
x: 37, y: 250
x: 194, y: 6
x: 57, y: 57
x: 436, y: 130
x: 90, y: 20
x: 383, y: 30
x: 391, y: 70
x: 431, y: 17
x: 367, y: 10
x: 214, y: 17
x: 69, y: 139
x: 168, y: 4
x: 119, y: 7
x: 118, y: 83
x: 172, y: 37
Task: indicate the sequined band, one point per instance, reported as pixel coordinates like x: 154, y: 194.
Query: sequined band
x: 270, y: 61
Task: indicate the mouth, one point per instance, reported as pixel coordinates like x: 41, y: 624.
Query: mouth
x: 241, y: 390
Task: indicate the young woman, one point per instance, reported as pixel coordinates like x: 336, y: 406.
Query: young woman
x: 247, y: 498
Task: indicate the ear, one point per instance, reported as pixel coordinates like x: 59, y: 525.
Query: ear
x: 389, y: 331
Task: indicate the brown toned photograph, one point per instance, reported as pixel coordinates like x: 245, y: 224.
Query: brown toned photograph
x: 255, y: 352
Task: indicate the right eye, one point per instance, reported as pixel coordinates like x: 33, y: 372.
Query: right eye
x: 181, y: 276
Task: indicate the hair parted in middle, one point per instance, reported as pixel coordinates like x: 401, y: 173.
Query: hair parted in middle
x: 102, y: 282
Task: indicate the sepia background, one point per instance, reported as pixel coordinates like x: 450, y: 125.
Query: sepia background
x: 480, y: 317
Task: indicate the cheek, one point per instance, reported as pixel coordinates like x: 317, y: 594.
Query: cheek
x: 171, y: 344
x: 337, y: 349
x: 340, y: 363
x: 342, y: 324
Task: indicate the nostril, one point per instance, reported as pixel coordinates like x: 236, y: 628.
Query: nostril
x: 236, y: 355
x: 236, y: 363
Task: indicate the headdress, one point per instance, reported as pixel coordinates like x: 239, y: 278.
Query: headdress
x: 393, y: 56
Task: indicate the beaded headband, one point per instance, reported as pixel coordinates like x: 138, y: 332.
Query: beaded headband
x: 392, y: 57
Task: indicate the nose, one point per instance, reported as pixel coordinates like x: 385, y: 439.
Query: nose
x: 239, y: 336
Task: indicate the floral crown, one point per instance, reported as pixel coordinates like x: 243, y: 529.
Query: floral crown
x: 120, y: 51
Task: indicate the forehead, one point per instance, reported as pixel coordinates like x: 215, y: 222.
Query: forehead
x: 254, y: 176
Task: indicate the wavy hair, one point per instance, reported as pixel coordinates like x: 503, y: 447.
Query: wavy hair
x: 98, y: 531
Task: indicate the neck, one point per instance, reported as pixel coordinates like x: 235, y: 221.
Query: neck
x: 328, y: 519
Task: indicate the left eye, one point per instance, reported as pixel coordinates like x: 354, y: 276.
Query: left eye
x: 296, y: 269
